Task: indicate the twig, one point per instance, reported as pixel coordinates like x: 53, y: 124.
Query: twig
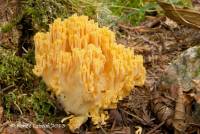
x: 155, y: 128
x: 113, y: 125
x: 137, y: 29
x: 18, y: 108
x: 136, y: 117
x: 194, y: 124
x: 155, y: 22
x: 7, y: 88
x: 170, y: 98
x: 103, y: 130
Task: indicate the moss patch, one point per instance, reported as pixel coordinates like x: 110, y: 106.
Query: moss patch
x: 28, y: 95
x: 15, y: 70
x: 36, y: 103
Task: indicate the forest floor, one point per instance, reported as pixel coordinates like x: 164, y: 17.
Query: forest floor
x: 160, y: 41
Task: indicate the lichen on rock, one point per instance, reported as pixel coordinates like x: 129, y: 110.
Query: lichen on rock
x: 185, y: 68
x: 184, y: 74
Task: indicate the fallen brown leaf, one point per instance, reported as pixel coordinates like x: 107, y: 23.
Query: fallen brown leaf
x: 188, y: 17
x: 38, y: 131
x: 58, y: 131
x: 180, y: 113
x: 11, y: 130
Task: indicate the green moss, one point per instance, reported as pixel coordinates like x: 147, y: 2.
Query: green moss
x: 7, y: 27
x: 30, y: 57
x: 18, y: 72
x: 15, y: 70
x: 9, y: 100
x: 44, y: 12
x: 37, y: 102
x: 42, y: 104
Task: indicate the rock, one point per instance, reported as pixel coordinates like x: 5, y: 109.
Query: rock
x: 185, y: 68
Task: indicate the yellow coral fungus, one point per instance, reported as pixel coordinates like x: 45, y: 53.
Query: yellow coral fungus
x: 85, y: 68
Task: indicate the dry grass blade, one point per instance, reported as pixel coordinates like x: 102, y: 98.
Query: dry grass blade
x: 155, y: 128
x: 135, y: 116
x: 7, y: 88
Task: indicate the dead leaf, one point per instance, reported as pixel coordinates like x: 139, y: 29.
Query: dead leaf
x: 11, y: 130
x: 172, y: 24
x: 38, y: 130
x: 180, y: 113
x: 58, y: 131
x: 163, y: 111
x: 188, y: 17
